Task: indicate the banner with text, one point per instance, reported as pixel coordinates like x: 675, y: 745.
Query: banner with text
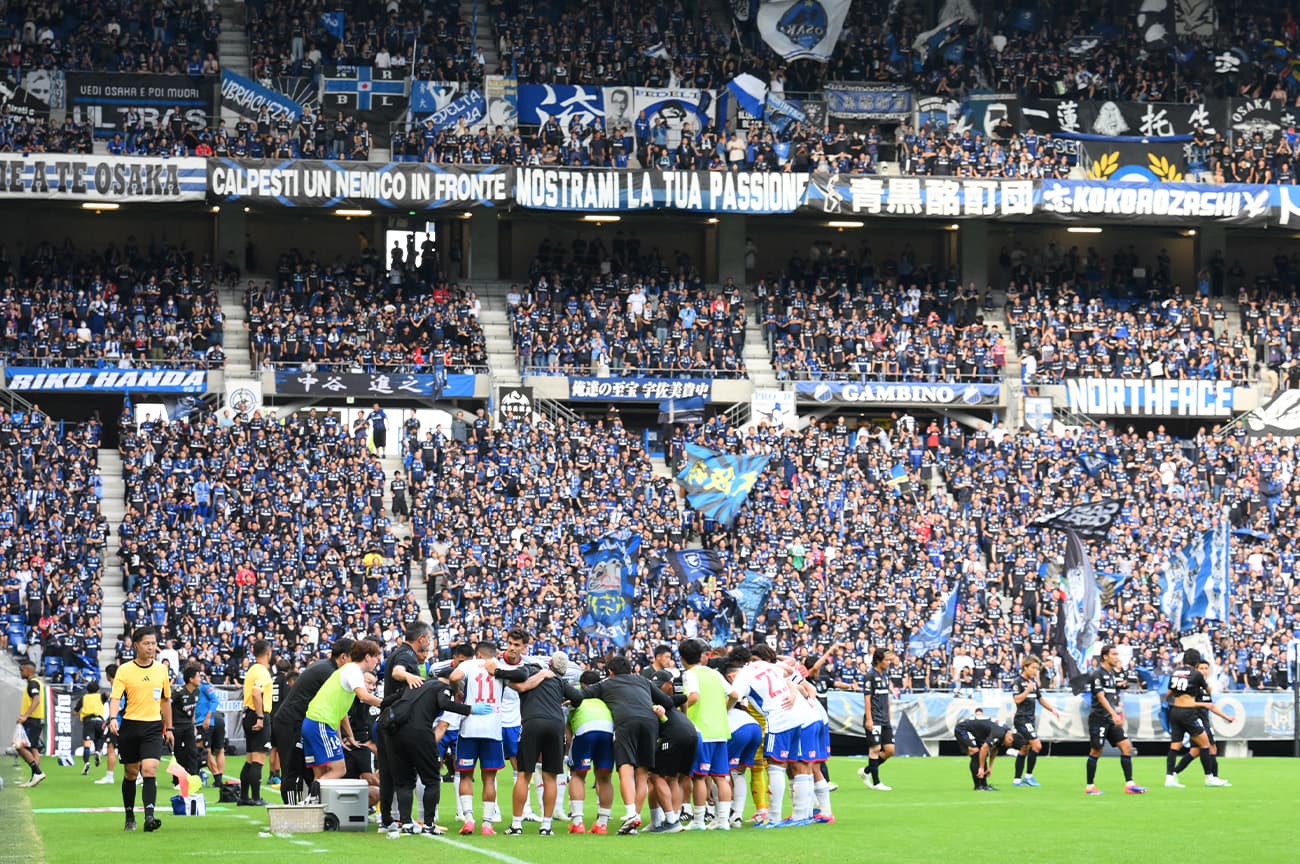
x: 802, y: 29
x: 638, y: 389
x: 374, y: 385
x: 700, y: 191
x: 38, y: 379
x: 105, y: 101
x: 33, y: 96
x: 867, y: 101
x: 248, y: 98
x: 1150, y: 397
x: 899, y: 393
x: 118, y: 179
x: 677, y: 107
x: 306, y: 183
x: 1110, y: 119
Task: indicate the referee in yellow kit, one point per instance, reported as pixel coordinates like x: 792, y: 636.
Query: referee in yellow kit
x: 142, y: 724
x: 258, y: 686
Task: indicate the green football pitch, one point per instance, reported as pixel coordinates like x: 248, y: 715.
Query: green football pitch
x: 931, y: 816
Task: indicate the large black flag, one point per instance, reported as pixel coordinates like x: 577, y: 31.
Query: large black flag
x: 1092, y: 520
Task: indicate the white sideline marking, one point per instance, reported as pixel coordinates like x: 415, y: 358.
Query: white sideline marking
x: 499, y: 856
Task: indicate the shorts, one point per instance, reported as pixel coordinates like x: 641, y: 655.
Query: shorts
x: 675, y: 755
x: 139, y: 740
x: 320, y: 743
x: 879, y: 736
x: 487, y: 753
x: 32, y: 728
x: 711, y: 759
x: 815, y: 741
x: 787, y: 746
x: 92, y: 729
x: 1209, y: 727
x: 1028, y: 730
x: 1104, y: 730
x: 256, y: 740
x: 743, y: 746
x: 358, y: 761
x: 966, y: 739
x: 592, y: 750
x: 1185, y: 721
x: 214, y: 737
x: 510, y: 741
x: 448, y: 742
x: 542, y: 741
x: 635, y: 743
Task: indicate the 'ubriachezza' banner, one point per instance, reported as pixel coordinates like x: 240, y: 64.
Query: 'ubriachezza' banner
x: 102, y: 178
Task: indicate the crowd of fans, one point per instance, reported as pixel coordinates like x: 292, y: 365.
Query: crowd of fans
x: 52, y: 541
x: 128, y: 305
x: 155, y: 36
x: 253, y: 525
x: 842, y: 315
x: 621, y: 310
x: 365, y: 317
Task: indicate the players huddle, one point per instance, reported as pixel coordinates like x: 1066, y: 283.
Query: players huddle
x: 681, y: 741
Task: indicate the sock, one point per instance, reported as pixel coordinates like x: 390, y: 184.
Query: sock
x: 516, y: 822
x: 697, y: 815
x: 975, y: 770
x: 723, y: 814
x: 739, y: 790
x: 575, y: 810
x: 245, y: 781
x: 467, y: 807
x: 1126, y: 763
x: 873, y: 768
x: 85, y: 755
x: 1186, y: 760
x: 672, y: 817
x: 128, y: 797
x: 34, y: 767
x: 1171, y: 762
x: 656, y: 817
x: 802, y: 797
x: 1031, y: 761
x: 255, y: 778
x: 217, y: 780
x: 822, y: 794
x: 602, y: 816
x: 629, y: 812
x: 109, y: 775
x: 775, y: 791
x: 1092, y: 770
x: 546, y: 823
x: 1020, y: 765
x: 149, y: 795
x: 1210, y: 763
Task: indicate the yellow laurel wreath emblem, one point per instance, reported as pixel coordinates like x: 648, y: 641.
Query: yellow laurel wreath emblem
x: 1102, y: 168
x: 1164, y: 169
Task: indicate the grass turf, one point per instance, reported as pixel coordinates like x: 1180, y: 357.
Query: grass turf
x: 932, y: 815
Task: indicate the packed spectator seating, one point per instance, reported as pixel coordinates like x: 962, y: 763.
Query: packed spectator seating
x: 252, y: 528
x: 52, y: 539
x: 126, y: 305
x: 177, y: 38
x: 625, y: 310
x: 314, y: 136
x: 843, y: 315
x: 426, y: 40
x: 363, y: 317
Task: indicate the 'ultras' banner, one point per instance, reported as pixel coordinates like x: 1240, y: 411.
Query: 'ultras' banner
x: 107, y: 102
x: 306, y: 183
x: 38, y: 379
x: 102, y: 178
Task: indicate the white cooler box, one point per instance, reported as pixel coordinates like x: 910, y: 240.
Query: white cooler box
x: 347, y: 803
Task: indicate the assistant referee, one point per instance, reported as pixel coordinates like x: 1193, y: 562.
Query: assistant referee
x: 258, y: 686
x: 142, y: 723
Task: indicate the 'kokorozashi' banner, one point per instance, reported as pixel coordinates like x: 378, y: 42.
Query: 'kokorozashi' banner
x: 306, y: 183
x: 102, y: 178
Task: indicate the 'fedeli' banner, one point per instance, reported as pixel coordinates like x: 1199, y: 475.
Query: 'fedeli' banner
x: 374, y: 385
x: 102, y: 178
x: 1150, y: 397
x: 309, y: 183
x: 639, y: 389
x: 899, y: 393
x: 38, y: 379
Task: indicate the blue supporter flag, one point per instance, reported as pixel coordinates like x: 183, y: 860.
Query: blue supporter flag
x: 1195, y: 582
x: 936, y: 632
x: 610, y: 589
x: 1026, y: 19
x: 750, y: 93
x: 751, y: 595
x: 717, y: 484
x: 333, y: 22
x: 695, y: 565
x: 898, y: 479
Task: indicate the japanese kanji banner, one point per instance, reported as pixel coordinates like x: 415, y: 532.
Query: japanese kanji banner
x: 374, y: 385
x: 717, y: 484
x: 1111, y: 119
x: 869, y: 195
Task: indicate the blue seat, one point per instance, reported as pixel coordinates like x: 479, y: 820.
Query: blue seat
x: 53, y: 668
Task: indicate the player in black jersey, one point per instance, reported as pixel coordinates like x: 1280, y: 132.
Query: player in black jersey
x: 1190, y: 705
x: 983, y: 740
x: 1192, y: 753
x: 1028, y: 694
x: 1106, y: 721
x: 876, y: 721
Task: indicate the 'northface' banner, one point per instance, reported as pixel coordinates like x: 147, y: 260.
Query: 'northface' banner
x: 306, y: 183
x: 1150, y: 397
x: 157, y: 380
x: 106, y: 101
x: 899, y: 393
x: 102, y: 178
